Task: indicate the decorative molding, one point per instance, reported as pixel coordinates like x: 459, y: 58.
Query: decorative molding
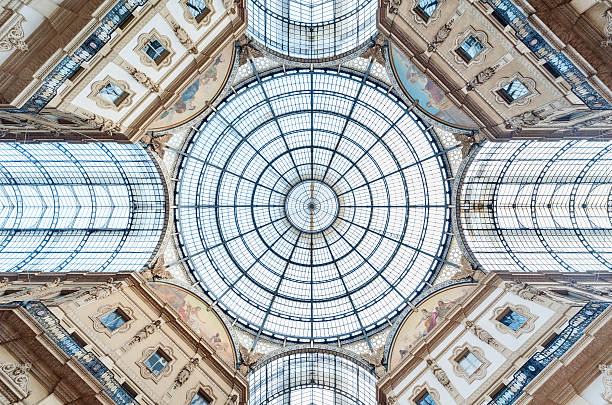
x: 15, y: 377
x: 97, y: 292
x: 247, y: 51
x: 527, y: 326
x: 529, y: 293
x: 140, y: 77
x: 607, y: 28
x: 375, y: 359
x: 148, y: 352
x: 467, y: 141
x: 392, y: 5
x: 205, y: 20
x: 99, y: 326
x: 145, y: 59
x: 480, y: 372
x: 529, y: 83
x: 101, y: 102
x: 142, y: 334
x: 375, y: 51
x: 481, y: 36
x: 157, y: 269
x: 486, y: 337
x: 418, y: 391
x: 13, y: 37
x: 606, y: 376
x: 247, y: 359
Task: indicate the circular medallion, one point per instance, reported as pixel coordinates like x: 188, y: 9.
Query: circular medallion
x: 311, y: 206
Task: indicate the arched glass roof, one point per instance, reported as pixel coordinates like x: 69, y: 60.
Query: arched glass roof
x: 312, y: 29
x: 79, y: 207
x: 313, y: 205
x: 306, y: 378
x: 538, y: 206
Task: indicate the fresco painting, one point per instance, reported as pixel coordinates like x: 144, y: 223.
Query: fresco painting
x: 194, y: 312
x: 203, y: 89
x: 429, y: 96
x: 421, y: 322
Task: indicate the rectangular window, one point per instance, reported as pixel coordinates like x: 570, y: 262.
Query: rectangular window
x: 114, y: 320
x: 469, y: 49
x: 157, y: 362
x: 426, y: 8
x: 199, y: 399
x: 113, y: 93
x: 78, y: 339
x: 198, y: 9
x: 425, y: 399
x: 155, y: 50
x: 129, y: 389
x: 513, y: 320
x: 499, y: 16
x: 513, y: 91
x: 469, y: 363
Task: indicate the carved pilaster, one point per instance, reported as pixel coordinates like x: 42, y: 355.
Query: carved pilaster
x: 142, y: 334
x: 182, y: 35
x: 443, y: 379
x: 607, y: 28
x: 486, y: 337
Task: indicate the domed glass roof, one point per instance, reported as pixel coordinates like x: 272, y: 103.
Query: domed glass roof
x: 312, y: 205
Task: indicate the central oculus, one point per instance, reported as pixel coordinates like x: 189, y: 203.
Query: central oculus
x: 311, y: 206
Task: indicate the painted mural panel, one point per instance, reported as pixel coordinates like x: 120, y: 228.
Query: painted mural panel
x: 204, y: 88
x: 429, y: 96
x: 421, y: 322
x: 195, y: 313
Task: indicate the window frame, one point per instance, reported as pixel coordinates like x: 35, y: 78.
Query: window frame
x: 166, y: 352
x: 144, y: 39
x: 126, y: 97
x: 420, y: 391
x: 203, y: 18
x: 502, y: 97
x: 460, y: 352
x: 501, y: 312
x: 99, y: 326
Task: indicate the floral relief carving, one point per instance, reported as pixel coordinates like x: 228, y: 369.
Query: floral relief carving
x: 480, y: 372
x: 142, y: 334
x: 99, y: 326
x: 145, y: 59
x: 182, y: 36
x: 375, y: 359
x: 486, y: 337
x: 17, y: 373
x: 101, y: 102
x: 13, y: 37
x: 606, y: 375
x: 527, y: 326
x: 481, y: 36
x: 142, y: 78
x: 97, y: 292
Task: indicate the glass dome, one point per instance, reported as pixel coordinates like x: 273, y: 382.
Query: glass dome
x: 312, y: 29
x: 313, y: 205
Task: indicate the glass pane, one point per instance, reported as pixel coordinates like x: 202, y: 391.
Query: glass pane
x: 471, y: 47
x: 428, y: 6
x: 469, y: 363
x: 199, y: 400
x: 154, y: 49
x: 156, y: 363
x: 513, y: 320
x: 111, y: 92
x: 196, y: 7
x: 113, y: 321
x: 515, y: 90
x: 425, y: 400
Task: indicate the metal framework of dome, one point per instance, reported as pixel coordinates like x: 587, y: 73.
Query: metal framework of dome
x: 312, y: 205
x: 312, y: 29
